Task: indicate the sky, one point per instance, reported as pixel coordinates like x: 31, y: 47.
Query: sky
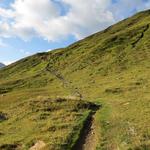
x: 31, y: 26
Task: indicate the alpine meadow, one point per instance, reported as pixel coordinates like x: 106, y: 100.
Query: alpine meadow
x: 92, y: 95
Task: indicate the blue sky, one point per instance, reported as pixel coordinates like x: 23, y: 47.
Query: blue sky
x: 31, y: 26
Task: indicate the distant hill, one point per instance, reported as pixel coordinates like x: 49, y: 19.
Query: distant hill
x: 2, y: 65
x: 110, y: 68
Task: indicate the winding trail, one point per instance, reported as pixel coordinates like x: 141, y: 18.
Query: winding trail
x: 66, y: 83
x: 88, y: 137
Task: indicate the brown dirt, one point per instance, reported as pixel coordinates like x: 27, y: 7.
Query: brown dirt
x: 88, y: 137
x: 91, y: 138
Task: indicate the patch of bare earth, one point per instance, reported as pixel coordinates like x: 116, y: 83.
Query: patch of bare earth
x: 88, y: 137
x: 91, y: 138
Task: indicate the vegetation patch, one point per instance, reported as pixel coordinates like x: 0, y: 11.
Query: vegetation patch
x: 60, y: 121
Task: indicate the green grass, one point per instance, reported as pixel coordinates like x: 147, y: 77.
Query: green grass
x: 57, y: 122
x: 111, y: 68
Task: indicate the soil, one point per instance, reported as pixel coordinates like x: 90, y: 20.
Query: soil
x: 88, y: 137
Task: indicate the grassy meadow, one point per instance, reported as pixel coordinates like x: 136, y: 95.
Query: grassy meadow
x: 110, y: 68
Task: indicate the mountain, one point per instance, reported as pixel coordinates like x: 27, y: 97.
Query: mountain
x: 2, y: 65
x: 54, y: 93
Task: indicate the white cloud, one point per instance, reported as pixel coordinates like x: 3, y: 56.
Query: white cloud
x: 88, y: 17
x: 8, y: 62
x: 42, y: 18
x: 48, y: 50
x: 123, y: 8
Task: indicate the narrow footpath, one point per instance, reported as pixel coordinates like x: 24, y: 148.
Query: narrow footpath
x: 88, y: 137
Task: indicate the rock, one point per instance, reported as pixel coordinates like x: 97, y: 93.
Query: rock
x: 38, y: 146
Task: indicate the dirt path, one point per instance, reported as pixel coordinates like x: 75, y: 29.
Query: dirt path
x: 88, y: 137
x: 66, y: 83
x: 91, y: 138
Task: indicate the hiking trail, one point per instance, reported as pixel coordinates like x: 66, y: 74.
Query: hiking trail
x: 88, y: 136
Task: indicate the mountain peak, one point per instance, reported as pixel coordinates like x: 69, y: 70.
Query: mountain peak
x: 2, y: 65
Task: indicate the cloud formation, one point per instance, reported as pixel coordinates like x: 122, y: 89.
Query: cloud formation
x: 47, y: 19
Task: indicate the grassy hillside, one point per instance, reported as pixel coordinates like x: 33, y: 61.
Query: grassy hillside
x: 111, y: 67
x: 56, y: 122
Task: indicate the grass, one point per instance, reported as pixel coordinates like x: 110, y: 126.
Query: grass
x: 57, y: 122
x: 109, y: 68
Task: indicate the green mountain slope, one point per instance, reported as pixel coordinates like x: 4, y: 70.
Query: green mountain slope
x: 111, y: 67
